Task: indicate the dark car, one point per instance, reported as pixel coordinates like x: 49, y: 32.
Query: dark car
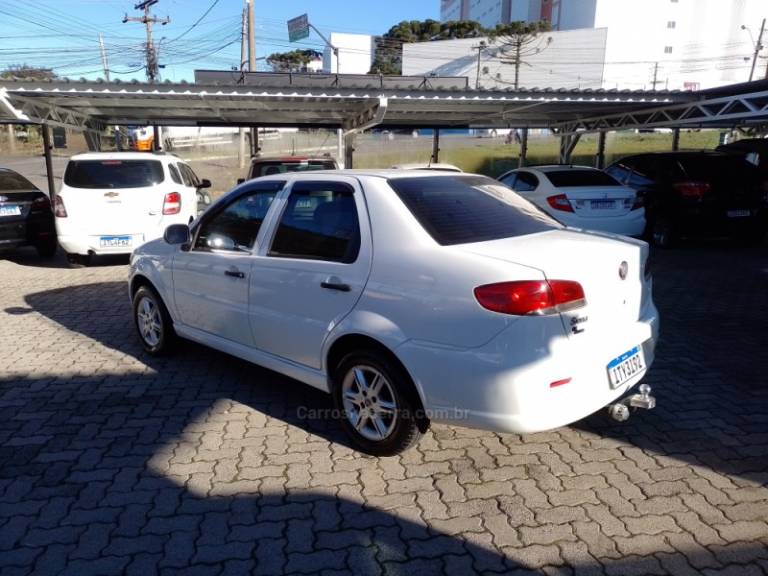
x: 753, y: 150
x: 263, y: 166
x: 26, y: 217
x: 697, y: 193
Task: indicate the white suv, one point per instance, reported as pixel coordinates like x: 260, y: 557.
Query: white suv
x: 110, y: 203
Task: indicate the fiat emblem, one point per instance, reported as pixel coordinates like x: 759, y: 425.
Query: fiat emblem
x: 623, y: 268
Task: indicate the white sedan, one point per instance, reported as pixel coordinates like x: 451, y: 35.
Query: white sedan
x: 580, y: 197
x: 410, y: 296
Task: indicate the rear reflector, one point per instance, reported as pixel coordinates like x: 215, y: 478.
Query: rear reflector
x: 525, y: 297
x: 557, y: 383
x: 560, y: 202
x: 692, y: 190
x: 60, y: 211
x: 172, y: 203
x: 41, y: 203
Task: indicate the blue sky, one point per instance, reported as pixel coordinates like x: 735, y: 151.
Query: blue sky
x: 63, y: 34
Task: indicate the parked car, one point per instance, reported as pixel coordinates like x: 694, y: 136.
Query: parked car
x: 410, y: 296
x: 26, y: 218
x: 753, y: 150
x: 428, y: 166
x: 707, y: 193
x: 266, y: 166
x: 109, y: 203
x: 580, y: 197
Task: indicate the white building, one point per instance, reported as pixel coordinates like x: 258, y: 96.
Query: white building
x: 548, y: 61
x: 675, y: 44
x: 356, y: 53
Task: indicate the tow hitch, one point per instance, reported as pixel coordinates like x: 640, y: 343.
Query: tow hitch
x: 620, y: 410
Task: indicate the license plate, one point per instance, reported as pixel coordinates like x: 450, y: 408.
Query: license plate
x: 115, y: 241
x: 739, y: 213
x: 10, y: 210
x: 603, y: 204
x: 625, y: 367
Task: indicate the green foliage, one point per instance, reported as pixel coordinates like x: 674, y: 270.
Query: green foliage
x: 293, y: 61
x: 514, y: 30
x: 26, y: 72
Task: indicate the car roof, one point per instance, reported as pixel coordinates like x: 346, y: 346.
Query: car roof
x: 372, y: 172
x: 292, y: 159
x: 425, y: 166
x: 547, y: 168
x: 125, y: 156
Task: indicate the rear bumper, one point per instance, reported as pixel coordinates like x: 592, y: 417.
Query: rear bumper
x: 85, y: 245
x: 505, y: 385
x: 20, y: 232
x: 631, y: 224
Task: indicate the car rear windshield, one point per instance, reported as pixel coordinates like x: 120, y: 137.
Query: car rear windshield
x: 11, y: 181
x: 711, y: 167
x: 113, y: 173
x: 567, y: 178
x: 280, y: 167
x: 457, y: 209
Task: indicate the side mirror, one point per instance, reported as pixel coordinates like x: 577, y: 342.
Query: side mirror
x: 240, y: 180
x: 177, y: 234
x: 220, y: 242
x: 204, y: 183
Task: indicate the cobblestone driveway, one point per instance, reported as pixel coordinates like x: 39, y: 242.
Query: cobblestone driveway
x: 112, y: 462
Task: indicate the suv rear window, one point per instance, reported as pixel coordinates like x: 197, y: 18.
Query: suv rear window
x: 462, y: 209
x: 711, y: 167
x: 566, y: 178
x: 113, y: 173
x: 280, y: 167
x: 10, y: 180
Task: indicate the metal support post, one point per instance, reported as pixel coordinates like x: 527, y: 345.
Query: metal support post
x: 435, y: 146
x: 600, y: 156
x: 47, y: 147
x: 339, y: 145
x: 567, y: 146
x: 349, y: 150
x: 675, y: 139
x: 523, y: 148
x: 11, y: 139
x: 156, y: 135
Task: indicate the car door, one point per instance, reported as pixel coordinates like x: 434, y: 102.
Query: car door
x: 312, y: 271
x: 211, y: 278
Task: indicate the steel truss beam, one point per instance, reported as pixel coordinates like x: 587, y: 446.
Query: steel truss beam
x: 38, y: 111
x: 715, y: 112
x: 367, y: 118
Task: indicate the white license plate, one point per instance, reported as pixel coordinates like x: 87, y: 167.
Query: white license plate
x: 115, y: 241
x: 626, y: 366
x: 11, y: 210
x: 603, y: 204
x: 739, y: 213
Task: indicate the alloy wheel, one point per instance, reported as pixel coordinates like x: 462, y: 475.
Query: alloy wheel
x: 369, y: 402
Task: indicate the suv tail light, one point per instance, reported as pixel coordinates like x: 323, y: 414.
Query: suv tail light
x: 59, y: 210
x: 523, y: 297
x: 560, y: 202
x: 692, y: 190
x: 172, y: 203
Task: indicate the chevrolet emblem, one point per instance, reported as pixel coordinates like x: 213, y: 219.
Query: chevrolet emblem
x: 111, y: 194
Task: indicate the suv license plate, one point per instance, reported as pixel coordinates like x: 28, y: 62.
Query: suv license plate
x: 115, y: 241
x: 626, y: 367
x: 739, y: 213
x: 10, y: 210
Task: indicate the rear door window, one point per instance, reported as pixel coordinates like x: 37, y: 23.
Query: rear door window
x: 174, y: 173
x: 569, y: 178
x: 526, y: 182
x: 457, y: 209
x: 189, y: 175
x: 113, y: 173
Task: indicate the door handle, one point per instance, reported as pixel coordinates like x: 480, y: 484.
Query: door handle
x: 334, y: 283
x: 234, y: 273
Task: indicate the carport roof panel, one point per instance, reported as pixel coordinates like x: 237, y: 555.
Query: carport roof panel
x: 265, y: 103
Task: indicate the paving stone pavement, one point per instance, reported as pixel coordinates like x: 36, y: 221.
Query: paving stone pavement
x: 112, y: 462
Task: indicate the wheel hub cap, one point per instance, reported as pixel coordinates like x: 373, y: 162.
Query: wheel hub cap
x: 369, y: 402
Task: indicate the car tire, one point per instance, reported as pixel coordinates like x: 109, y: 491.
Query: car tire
x: 153, y: 322
x: 46, y: 248
x: 383, y: 421
x: 662, y: 232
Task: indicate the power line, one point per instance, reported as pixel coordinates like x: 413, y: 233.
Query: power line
x: 188, y: 30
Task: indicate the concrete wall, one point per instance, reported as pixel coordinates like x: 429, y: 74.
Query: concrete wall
x: 355, y: 54
x: 573, y: 59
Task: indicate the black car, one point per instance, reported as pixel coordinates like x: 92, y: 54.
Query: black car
x: 754, y: 150
x: 26, y: 217
x: 697, y: 193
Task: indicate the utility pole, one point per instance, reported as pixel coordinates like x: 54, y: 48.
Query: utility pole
x: 252, y: 66
x: 479, y: 47
x: 104, y: 62
x: 758, y: 48
x: 243, y: 61
x: 655, y: 76
x: 152, y: 66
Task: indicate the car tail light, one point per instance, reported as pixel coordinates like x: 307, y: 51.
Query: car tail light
x: 41, y: 203
x: 172, y: 203
x: 523, y: 297
x: 59, y: 210
x: 560, y: 202
x: 692, y: 190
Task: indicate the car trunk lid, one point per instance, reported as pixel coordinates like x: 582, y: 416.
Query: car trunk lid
x: 600, y: 201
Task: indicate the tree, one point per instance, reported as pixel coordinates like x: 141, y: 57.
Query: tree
x: 293, y: 61
x: 519, y: 41
x: 24, y: 71
x: 388, y: 50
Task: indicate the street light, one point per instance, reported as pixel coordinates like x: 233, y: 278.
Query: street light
x: 757, y: 45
